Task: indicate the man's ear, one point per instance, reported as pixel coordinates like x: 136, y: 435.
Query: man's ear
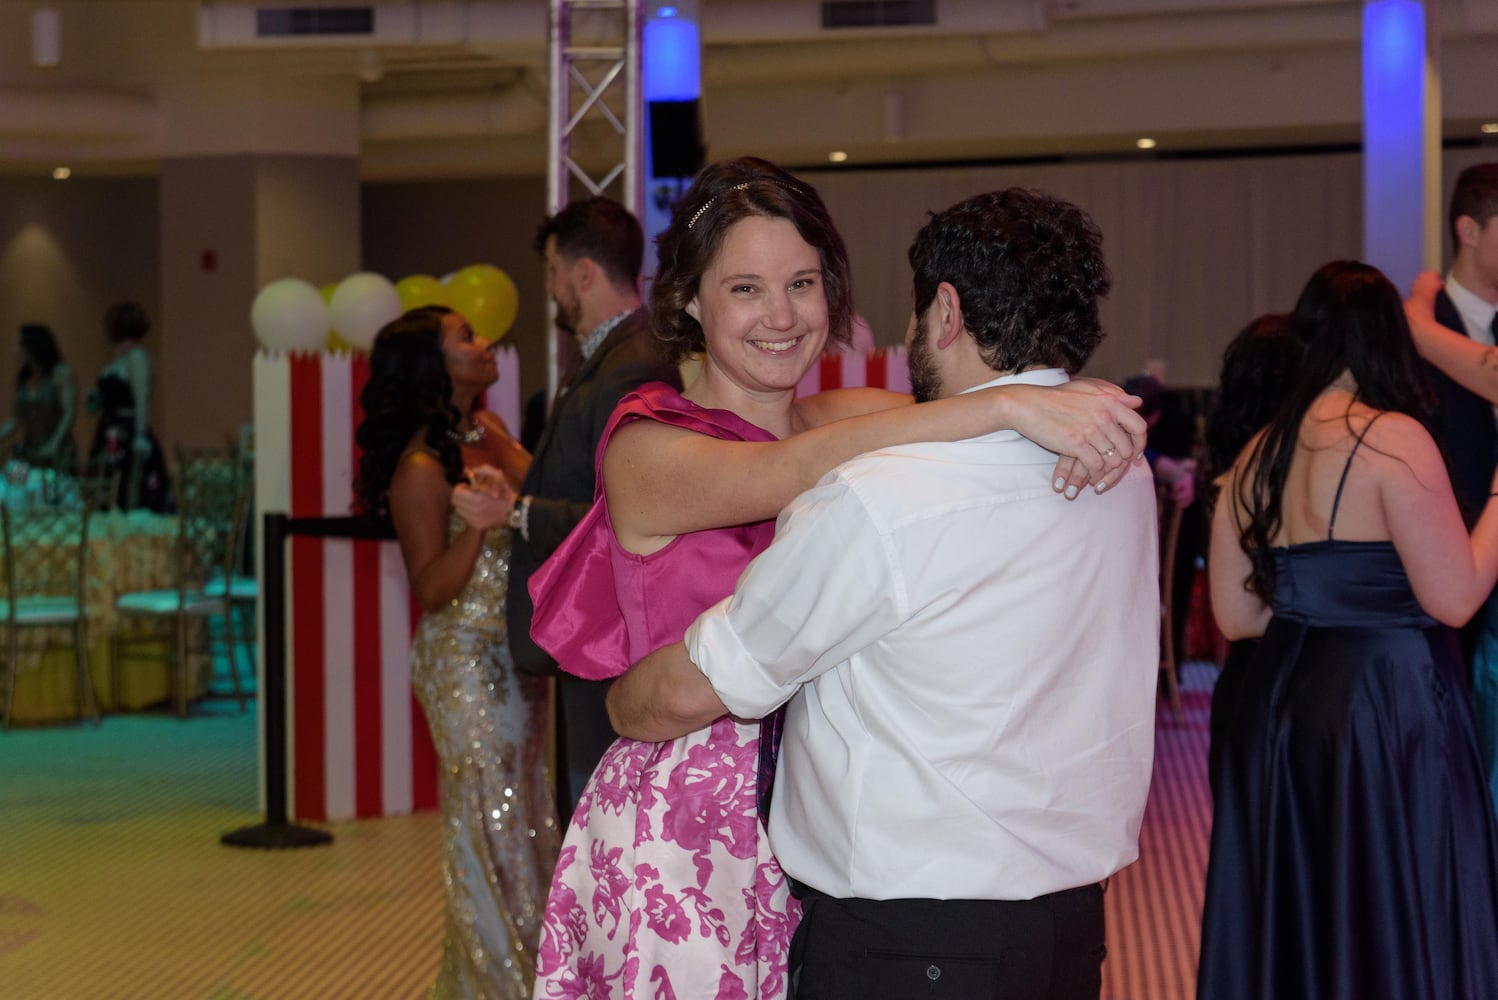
x: 584, y: 273
x: 949, y: 315
x: 1467, y: 230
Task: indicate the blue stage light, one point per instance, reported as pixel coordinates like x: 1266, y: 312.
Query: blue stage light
x: 672, y: 64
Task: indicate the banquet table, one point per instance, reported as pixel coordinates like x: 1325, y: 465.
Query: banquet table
x: 128, y: 550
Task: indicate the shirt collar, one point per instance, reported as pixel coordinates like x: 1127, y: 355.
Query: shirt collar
x: 1476, y: 313
x: 590, y: 343
x: 1035, y: 376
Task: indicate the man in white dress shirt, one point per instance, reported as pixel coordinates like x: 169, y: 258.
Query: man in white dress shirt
x: 969, y: 660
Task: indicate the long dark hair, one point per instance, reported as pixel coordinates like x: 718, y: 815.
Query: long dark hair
x: 1349, y: 318
x: 41, y: 351
x: 1256, y: 371
x: 722, y: 194
x: 408, y: 390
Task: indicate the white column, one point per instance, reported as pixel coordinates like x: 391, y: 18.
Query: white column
x: 1401, y: 138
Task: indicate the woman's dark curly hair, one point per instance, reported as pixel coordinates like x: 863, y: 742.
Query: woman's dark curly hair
x: 1029, y: 270
x: 1256, y: 371
x: 722, y: 194
x: 41, y: 352
x: 408, y: 391
x: 1349, y: 318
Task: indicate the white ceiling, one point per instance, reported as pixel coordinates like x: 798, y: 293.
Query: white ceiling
x: 140, y: 80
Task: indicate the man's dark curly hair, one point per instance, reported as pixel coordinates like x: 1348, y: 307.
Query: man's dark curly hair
x: 601, y: 230
x: 1029, y: 270
x: 408, y: 390
x: 722, y: 194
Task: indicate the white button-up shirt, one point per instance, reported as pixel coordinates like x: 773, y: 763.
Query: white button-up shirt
x: 971, y: 666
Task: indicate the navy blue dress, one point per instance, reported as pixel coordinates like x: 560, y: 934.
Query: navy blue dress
x: 1354, y: 845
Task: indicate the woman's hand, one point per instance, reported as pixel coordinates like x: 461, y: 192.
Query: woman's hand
x: 487, y: 502
x: 1420, y: 307
x: 1091, y: 424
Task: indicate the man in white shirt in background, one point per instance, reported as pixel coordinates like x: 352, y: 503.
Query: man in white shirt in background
x: 970, y: 660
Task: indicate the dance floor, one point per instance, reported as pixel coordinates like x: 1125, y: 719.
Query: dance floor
x: 113, y: 883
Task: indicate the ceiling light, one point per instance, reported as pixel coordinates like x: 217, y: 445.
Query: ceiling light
x: 1145, y: 143
x: 371, y: 66
x: 837, y: 156
x: 61, y: 173
x: 1488, y: 128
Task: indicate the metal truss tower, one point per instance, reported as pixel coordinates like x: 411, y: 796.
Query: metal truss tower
x: 595, y: 139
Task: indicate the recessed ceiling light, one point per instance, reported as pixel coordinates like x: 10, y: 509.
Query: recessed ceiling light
x: 61, y: 173
x: 837, y: 156
x: 1145, y: 143
x: 1488, y: 128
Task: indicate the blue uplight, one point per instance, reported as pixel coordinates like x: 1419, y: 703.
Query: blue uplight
x: 672, y: 59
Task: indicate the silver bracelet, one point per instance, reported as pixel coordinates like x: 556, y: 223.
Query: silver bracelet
x: 520, y: 517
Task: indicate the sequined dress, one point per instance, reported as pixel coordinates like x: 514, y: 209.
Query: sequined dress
x: 500, y: 830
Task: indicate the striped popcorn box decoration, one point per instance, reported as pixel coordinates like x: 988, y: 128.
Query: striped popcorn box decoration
x: 359, y: 744
x: 882, y: 369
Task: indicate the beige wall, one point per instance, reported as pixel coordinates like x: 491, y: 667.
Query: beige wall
x: 437, y: 227
x: 1197, y: 249
x: 260, y: 218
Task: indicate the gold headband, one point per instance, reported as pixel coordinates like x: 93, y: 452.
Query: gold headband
x: 740, y: 187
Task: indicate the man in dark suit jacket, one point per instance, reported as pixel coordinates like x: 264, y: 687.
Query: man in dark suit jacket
x: 1464, y: 421
x: 593, y: 250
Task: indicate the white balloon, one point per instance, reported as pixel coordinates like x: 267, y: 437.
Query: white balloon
x: 362, y: 304
x: 289, y: 314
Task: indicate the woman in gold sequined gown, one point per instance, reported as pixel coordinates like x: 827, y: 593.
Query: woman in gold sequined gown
x: 446, y: 476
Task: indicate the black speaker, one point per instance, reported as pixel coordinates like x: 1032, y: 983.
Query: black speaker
x: 676, y: 148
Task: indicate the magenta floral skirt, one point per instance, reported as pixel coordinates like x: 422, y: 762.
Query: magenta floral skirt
x: 666, y: 887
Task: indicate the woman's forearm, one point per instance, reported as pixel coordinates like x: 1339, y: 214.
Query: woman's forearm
x: 1471, y: 365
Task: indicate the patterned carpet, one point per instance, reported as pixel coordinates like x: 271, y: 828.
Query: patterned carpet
x: 1154, y: 905
x: 113, y: 883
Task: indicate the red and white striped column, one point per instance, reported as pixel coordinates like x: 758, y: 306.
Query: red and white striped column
x: 359, y: 744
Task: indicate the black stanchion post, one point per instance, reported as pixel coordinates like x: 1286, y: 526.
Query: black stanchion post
x: 275, y: 831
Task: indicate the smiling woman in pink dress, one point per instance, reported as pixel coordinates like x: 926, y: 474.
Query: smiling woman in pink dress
x: 666, y: 885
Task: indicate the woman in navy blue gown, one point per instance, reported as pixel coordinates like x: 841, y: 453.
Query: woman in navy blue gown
x: 1354, y: 845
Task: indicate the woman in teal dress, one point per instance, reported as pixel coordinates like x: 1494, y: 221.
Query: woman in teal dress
x: 124, y: 445
x: 46, y: 402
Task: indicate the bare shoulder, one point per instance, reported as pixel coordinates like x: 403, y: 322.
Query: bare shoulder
x: 839, y: 404
x: 1399, y: 447
x: 1396, y: 434
x: 418, y: 465
x: 644, y: 442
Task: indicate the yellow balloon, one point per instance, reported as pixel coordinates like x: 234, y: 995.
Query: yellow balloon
x: 420, y: 290
x: 335, y: 342
x: 486, y: 297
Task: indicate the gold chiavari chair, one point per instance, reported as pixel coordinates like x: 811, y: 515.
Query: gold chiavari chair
x: 44, y: 550
x: 208, y: 491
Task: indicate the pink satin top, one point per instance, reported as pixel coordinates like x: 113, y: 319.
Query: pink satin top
x: 599, y: 609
